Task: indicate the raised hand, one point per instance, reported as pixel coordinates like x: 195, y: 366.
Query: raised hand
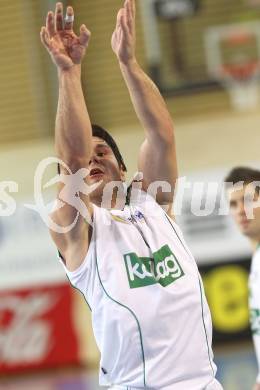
x: 65, y: 47
x: 123, y: 38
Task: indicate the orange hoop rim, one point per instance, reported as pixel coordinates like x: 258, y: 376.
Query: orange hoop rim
x: 241, y: 71
x: 238, y: 38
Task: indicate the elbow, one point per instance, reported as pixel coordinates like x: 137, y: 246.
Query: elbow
x: 165, y: 138
x: 74, y: 163
x: 164, y: 133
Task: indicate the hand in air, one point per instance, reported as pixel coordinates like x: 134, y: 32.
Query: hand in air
x: 65, y: 47
x: 123, y: 38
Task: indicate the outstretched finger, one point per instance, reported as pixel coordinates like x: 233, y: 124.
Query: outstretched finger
x: 45, y: 39
x: 50, y: 24
x: 59, y: 17
x: 129, y: 15
x: 118, y: 18
x: 132, y: 7
x: 123, y: 22
x: 69, y: 19
x: 84, y: 36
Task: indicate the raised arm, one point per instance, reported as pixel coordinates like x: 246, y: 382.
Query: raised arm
x: 73, y: 134
x: 157, y: 157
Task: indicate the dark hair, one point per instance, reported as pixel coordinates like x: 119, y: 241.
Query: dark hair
x: 245, y: 174
x: 98, y: 131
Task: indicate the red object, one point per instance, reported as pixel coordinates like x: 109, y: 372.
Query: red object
x: 36, y: 329
x: 241, y: 71
x: 239, y: 38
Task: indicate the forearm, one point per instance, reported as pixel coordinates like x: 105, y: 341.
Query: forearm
x: 148, y: 103
x: 73, y: 128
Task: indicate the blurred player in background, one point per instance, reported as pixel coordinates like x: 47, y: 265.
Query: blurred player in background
x: 243, y: 201
x: 150, y: 316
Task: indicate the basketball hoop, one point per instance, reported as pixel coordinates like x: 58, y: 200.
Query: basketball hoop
x: 241, y: 82
x: 233, y: 57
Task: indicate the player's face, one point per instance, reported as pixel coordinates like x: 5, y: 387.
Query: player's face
x: 103, y: 167
x: 240, y: 206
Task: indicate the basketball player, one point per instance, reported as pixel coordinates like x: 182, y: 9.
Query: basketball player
x: 150, y: 316
x: 242, y: 201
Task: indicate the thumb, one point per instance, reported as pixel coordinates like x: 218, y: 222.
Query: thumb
x: 45, y: 39
x: 118, y: 18
x: 84, y: 36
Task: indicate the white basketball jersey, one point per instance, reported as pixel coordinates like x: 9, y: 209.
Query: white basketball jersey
x: 254, y: 304
x: 150, y: 316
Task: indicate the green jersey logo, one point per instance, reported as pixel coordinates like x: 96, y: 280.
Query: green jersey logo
x: 255, y: 321
x: 163, y: 268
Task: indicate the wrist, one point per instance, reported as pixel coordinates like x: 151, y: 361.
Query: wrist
x: 73, y: 71
x: 131, y: 64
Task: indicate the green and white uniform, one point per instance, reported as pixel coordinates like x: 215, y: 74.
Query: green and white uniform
x: 150, y: 316
x: 254, y: 304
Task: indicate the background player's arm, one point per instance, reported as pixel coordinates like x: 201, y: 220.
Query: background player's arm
x: 73, y: 133
x: 157, y: 158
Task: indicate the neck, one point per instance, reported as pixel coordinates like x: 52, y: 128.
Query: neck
x: 115, y: 202
x: 255, y: 243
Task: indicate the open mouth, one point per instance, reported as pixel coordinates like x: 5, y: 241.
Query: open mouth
x: 95, y: 172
